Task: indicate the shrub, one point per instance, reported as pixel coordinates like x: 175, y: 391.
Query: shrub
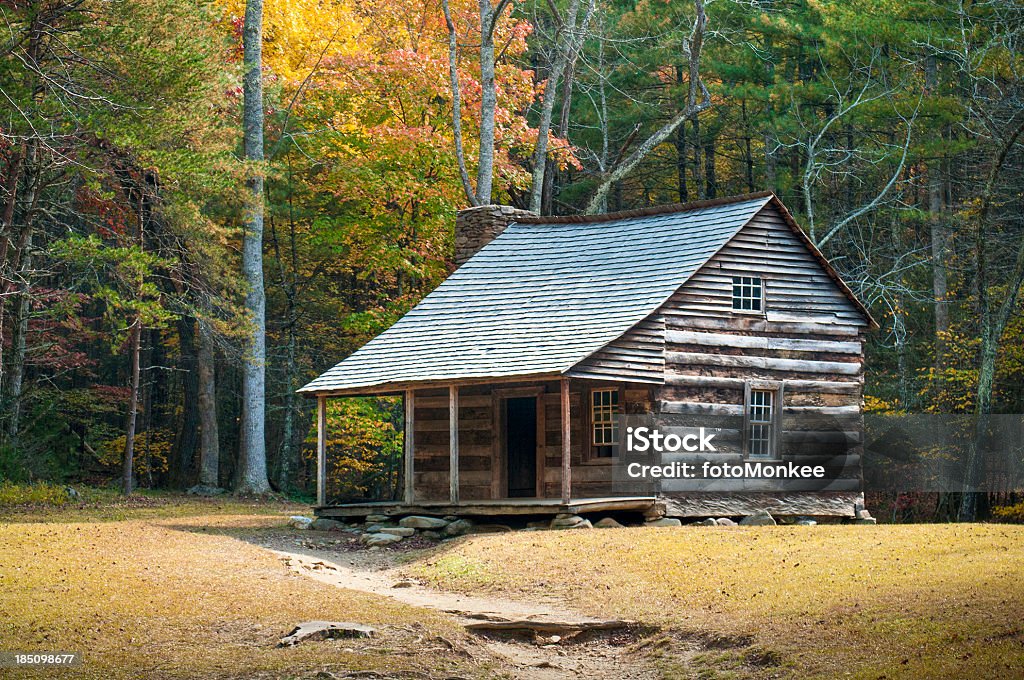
x: 1009, y: 513
x: 36, y: 493
x: 152, y: 451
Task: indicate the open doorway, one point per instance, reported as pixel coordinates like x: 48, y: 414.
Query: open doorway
x: 521, y: 446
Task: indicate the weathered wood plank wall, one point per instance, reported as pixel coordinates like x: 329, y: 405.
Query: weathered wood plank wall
x: 478, y: 455
x: 809, y: 339
x: 637, y: 356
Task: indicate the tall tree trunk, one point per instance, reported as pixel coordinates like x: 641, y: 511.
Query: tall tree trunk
x: 146, y: 396
x: 209, y: 435
x: 453, y: 76
x: 770, y: 172
x: 26, y: 156
x: 20, y: 266
x: 547, y: 199
x: 680, y: 143
x: 251, y: 471
x: 14, y: 265
x: 572, y: 30
x: 134, y: 348
x: 288, y: 436
x: 552, y: 175
x: 187, y: 426
x: 601, y: 204
x: 939, y: 235
x: 710, y: 181
x: 19, y: 345
x: 10, y: 196
x: 488, y: 104
x: 698, y: 180
x: 940, y: 277
x: 748, y: 154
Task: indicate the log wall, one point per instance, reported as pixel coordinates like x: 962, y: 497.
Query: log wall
x: 808, y: 341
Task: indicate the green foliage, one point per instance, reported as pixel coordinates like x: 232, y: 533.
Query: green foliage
x: 121, y: 277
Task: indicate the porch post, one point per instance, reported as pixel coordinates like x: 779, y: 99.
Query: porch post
x: 566, y: 449
x: 453, y: 444
x: 321, y: 450
x: 410, y: 450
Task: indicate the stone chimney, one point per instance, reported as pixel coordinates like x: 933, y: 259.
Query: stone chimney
x: 478, y: 226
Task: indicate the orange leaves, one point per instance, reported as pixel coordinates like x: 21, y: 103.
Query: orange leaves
x: 371, y: 79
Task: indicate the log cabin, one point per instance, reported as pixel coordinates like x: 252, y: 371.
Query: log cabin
x: 515, y: 371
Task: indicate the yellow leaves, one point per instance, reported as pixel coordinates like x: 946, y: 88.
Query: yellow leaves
x: 364, y: 448
x: 301, y: 35
x: 874, y: 404
x: 152, y: 451
x: 43, y: 493
x: 1009, y: 513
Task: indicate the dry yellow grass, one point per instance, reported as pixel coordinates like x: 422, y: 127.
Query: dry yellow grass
x: 175, y: 595
x: 912, y: 601
x: 163, y: 587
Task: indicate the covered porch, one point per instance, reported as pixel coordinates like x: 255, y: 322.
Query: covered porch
x: 496, y: 448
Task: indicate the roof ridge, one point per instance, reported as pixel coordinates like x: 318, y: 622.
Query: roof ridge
x: 644, y: 212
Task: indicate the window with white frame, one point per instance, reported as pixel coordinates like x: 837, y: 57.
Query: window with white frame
x: 760, y: 416
x: 747, y: 293
x: 604, y: 422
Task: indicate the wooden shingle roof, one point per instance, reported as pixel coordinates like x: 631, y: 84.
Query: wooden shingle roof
x: 542, y: 297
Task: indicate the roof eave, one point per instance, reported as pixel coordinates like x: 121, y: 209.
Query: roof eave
x: 396, y: 388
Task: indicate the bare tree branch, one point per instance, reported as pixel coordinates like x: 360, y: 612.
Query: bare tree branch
x: 692, y: 48
x: 573, y: 36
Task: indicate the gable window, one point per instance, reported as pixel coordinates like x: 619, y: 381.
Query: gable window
x: 747, y: 293
x: 604, y: 422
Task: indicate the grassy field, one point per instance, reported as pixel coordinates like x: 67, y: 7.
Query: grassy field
x: 160, y: 588
x: 169, y: 587
x: 904, y: 601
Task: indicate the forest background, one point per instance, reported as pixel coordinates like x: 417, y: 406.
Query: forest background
x: 170, y: 167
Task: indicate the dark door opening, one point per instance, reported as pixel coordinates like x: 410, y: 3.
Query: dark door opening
x: 521, y: 446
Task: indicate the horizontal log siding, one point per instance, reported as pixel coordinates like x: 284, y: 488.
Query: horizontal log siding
x: 637, y: 356
x: 797, y: 289
x: 431, y: 464
x: 810, y: 337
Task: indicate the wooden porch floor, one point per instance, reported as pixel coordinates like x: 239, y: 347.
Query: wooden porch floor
x: 495, y: 508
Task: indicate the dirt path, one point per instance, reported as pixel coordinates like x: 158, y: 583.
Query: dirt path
x: 595, y: 655
x: 388, y: 583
